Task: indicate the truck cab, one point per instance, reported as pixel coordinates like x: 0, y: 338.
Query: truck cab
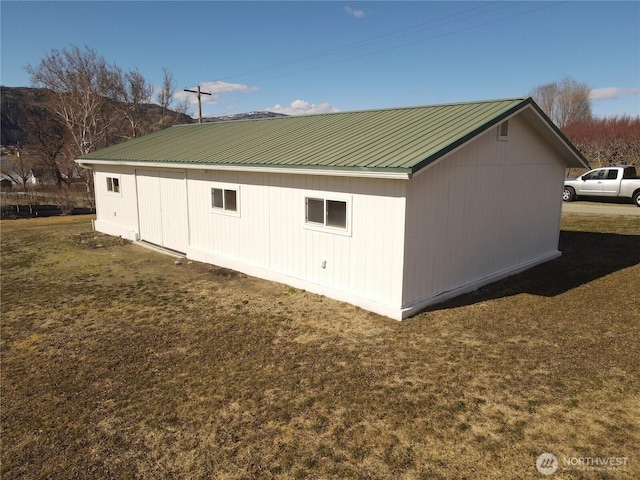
x: 620, y: 181
x: 602, y: 182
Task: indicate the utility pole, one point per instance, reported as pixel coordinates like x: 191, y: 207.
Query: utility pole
x: 198, y: 94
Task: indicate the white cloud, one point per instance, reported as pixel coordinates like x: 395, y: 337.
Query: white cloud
x: 302, y: 107
x: 216, y: 89
x: 609, y: 93
x: 224, y: 87
x: 354, y: 12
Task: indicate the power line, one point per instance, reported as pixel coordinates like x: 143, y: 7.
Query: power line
x: 410, y: 30
x: 390, y: 36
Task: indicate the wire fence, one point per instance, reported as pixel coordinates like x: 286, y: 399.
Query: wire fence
x: 46, y: 200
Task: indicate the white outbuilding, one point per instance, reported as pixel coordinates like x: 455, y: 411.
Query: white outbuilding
x: 391, y: 210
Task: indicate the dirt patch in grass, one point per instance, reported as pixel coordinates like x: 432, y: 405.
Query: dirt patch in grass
x: 99, y: 240
x: 118, y: 363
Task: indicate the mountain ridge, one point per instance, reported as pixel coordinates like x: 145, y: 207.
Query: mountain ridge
x: 254, y: 115
x: 20, y: 105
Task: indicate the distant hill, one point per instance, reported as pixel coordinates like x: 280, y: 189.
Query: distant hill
x: 242, y: 116
x: 19, y: 103
x: 16, y: 103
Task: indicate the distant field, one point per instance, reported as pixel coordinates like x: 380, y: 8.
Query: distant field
x: 118, y: 363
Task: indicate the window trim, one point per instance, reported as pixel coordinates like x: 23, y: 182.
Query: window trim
x: 327, y: 197
x: 110, y: 185
x: 222, y: 210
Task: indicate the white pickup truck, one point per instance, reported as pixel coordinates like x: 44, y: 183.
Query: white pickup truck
x: 620, y: 182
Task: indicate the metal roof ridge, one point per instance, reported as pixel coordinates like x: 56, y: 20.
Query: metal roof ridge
x: 368, y: 110
x: 410, y: 107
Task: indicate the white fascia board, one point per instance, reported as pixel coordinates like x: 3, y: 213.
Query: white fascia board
x: 240, y: 168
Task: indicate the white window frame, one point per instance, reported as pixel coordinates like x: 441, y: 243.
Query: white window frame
x: 222, y: 210
x: 110, y: 185
x: 327, y: 196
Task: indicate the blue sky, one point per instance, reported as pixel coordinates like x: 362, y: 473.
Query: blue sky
x: 306, y: 57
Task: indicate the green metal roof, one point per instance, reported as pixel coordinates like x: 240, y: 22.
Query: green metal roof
x: 390, y: 140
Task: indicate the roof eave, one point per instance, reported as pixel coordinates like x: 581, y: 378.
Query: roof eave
x: 383, y: 173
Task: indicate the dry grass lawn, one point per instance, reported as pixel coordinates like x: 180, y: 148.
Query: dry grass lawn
x: 117, y: 363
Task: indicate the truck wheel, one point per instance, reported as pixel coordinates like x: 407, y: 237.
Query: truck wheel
x: 636, y: 198
x: 568, y: 194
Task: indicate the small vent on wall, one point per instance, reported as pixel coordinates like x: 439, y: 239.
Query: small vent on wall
x: 503, y: 130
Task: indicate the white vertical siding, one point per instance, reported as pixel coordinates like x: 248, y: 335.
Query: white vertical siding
x: 487, y: 208
x: 116, y: 214
x: 270, y: 233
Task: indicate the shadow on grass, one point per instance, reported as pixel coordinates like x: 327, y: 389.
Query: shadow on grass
x: 586, y: 256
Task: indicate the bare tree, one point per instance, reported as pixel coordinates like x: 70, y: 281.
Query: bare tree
x: 565, y: 101
x: 83, y: 82
x: 166, y: 98
x: 85, y: 91
x: 183, y: 107
x: 607, y: 141
x: 165, y: 95
x: 48, y: 138
x: 132, y: 92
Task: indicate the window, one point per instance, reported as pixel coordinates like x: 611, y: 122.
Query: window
x: 336, y: 214
x: 327, y: 213
x: 595, y: 175
x: 612, y: 174
x: 113, y: 184
x: 315, y: 210
x: 225, y: 200
x: 629, y: 172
